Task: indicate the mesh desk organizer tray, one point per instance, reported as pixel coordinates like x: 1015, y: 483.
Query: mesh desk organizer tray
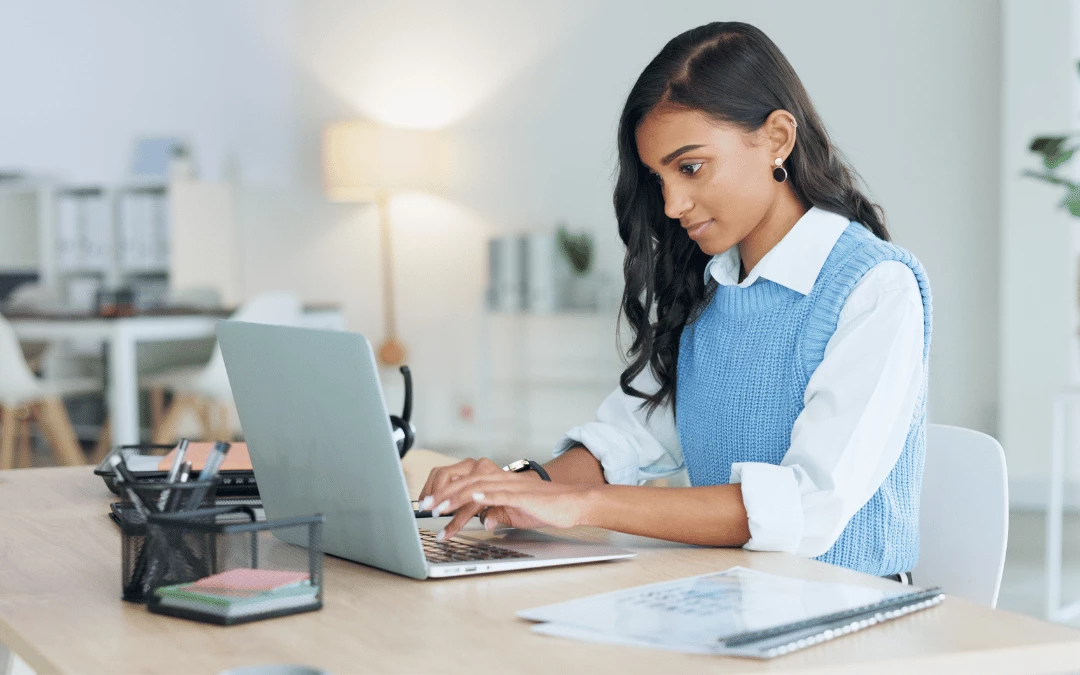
x: 235, y: 486
x: 218, y: 564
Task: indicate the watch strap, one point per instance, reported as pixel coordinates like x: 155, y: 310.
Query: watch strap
x: 539, y: 468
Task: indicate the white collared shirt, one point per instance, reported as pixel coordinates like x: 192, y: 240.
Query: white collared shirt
x: 858, y: 403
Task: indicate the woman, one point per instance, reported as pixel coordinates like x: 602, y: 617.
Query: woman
x: 780, y: 341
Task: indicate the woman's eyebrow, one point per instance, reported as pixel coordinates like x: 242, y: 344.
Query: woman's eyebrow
x: 686, y: 148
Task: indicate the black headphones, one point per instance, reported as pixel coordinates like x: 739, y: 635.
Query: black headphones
x: 404, y: 431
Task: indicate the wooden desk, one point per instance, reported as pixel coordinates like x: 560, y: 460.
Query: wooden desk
x: 60, y: 610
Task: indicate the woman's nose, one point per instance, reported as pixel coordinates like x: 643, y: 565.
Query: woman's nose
x: 676, y: 203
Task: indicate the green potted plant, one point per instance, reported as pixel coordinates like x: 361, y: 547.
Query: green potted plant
x: 577, y: 250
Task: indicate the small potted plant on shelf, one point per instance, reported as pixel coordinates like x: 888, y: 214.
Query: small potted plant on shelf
x: 577, y: 249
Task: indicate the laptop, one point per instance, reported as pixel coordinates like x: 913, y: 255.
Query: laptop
x: 318, y: 432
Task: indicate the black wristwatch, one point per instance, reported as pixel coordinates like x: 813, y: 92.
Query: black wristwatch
x: 527, y: 465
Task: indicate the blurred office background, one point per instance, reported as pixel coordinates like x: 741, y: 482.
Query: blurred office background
x: 204, y: 121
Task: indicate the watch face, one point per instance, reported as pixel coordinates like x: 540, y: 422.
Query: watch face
x: 519, y: 465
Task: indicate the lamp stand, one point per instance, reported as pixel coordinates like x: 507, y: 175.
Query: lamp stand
x: 391, y: 351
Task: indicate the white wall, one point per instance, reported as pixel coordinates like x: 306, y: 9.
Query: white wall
x: 530, y: 94
x: 82, y: 79
x: 1036, y: 264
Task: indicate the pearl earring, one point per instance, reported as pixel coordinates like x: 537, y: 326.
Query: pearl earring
x: 779, y: 173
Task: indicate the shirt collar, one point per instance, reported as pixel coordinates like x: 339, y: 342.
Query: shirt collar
x: 794, y: 262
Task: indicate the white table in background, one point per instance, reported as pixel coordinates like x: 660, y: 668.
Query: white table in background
x: 122, y: 336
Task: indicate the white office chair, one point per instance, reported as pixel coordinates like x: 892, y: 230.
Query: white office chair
x: 25, y: 399
x: 205, y: 390
x: 964, y: 514
x: 34, y: 297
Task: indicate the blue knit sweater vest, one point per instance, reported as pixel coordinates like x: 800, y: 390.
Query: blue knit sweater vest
x: 743, y: 367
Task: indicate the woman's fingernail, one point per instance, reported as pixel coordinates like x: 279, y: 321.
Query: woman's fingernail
x: 489, y: 524
x: 440, y: 508
x: 426, y: 503
x: 478, y: 496
x: 441, y: 535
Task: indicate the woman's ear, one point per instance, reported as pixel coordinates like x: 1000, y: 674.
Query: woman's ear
x: 779, y: 132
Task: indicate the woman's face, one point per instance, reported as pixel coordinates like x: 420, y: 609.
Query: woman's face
x: 716, y: 178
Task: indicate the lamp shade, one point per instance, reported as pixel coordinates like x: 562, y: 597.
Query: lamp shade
x: 362, y: 158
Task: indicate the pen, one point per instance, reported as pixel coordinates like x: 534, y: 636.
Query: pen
x: 209, y: 471
x: 128, y: 480
x: 214, y: 460
x: 181, y: 450
x: 174, y: 471
x: 185, y: 472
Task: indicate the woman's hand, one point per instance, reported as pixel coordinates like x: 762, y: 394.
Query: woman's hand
x: 436, y: 491
x: 516, y: 499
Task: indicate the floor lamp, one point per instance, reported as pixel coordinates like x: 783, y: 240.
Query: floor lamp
x: 365, y: 162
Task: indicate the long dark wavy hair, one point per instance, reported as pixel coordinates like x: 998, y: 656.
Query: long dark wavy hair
x: 735, y: 74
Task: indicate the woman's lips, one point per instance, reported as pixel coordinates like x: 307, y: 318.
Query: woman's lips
x: 698, y: 230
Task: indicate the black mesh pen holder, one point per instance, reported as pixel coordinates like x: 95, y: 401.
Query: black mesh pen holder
x: 153, y: 498
x: 220, y: 566
x: 162, y: 497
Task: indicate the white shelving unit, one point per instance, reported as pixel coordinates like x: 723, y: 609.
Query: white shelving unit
x: 544, y: 374
x: 80, y: 237
x: 24, y: 244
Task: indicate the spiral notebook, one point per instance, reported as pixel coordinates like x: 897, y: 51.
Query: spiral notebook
x: 737, y: 612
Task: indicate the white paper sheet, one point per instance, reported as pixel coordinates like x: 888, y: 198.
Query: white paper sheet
x: 694, y: 614
x: 142, y: 463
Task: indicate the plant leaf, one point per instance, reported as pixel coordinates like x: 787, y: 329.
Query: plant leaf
x: 577, y: 249
x: 1057, y: 159
x: 1047, y: 145
x: 1072, y: 202
x: 1050, y: 178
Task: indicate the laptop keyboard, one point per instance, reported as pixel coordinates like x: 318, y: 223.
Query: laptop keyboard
x: 460, y: 550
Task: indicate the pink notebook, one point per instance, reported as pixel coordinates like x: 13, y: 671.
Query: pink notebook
x: 244, y: 579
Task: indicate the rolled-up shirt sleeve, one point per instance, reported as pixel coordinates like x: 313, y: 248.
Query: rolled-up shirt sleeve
x: 630, y: 445
x: 859, y: 405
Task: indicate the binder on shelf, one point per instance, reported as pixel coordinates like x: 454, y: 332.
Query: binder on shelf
x: 67, y: 231
x: 505, y: 264
x: 161, y: 231
x: 544, y: 273
x: 126, y: 216
x: 83, y: 228
x: 95, y: 254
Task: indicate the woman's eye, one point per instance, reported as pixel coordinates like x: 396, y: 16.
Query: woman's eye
x: 690, y: 169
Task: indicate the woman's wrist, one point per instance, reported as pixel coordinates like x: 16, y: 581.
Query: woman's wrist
x: 594, y: 506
